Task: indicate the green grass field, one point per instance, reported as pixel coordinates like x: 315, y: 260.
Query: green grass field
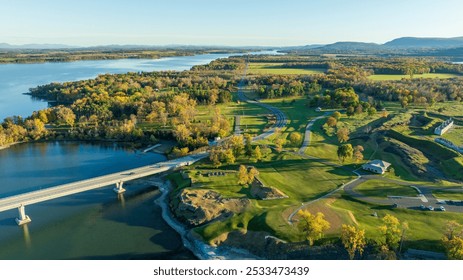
x: 425, y: 228
x: 325, y: 146
x: 299, y: 179
x: 380, y: 189
x: 253, y: 125
x: 444, y: 194
x: 417, y: 76
x: 455, y: 135
x: 296, y: 111
x: 452, y: 109
x: 275, y: 69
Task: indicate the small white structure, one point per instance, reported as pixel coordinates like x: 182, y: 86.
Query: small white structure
x: 376, y: 166
x: 319, y: 109
x: 444, y: 127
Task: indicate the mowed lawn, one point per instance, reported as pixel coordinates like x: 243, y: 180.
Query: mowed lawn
x: 447, y: 194
x: 276, y: 69
x: 455, y: 135
x: 425, y: 228
x: 381, y: 189
x: 301, y: 180
x: 393, y: 77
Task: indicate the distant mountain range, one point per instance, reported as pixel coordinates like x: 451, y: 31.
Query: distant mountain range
x: 35, y: 46
x: 435, y: 43
x: 27, y: 47
x: 404, y: 43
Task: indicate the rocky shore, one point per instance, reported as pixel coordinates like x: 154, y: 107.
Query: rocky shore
x: 191, y: 240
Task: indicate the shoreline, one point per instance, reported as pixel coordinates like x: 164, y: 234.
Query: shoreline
x: 162, y: 150
x: 6, y: 146
x: 200, y: 249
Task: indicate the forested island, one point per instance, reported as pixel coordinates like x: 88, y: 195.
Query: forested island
x: 358, y: 108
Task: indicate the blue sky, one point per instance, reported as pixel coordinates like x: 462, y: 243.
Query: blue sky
x: 225, y: 22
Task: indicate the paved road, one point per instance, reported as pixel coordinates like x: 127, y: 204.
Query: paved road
x: 425, y: 196
x: 308, y: 133
x: 237, y: 125
x: 16, y: 201
x: 281, y: 119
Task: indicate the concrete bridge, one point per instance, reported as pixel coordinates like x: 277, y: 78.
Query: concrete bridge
x: 117, y: 179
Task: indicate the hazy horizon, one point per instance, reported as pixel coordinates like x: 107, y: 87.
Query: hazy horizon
x: 271, y: 23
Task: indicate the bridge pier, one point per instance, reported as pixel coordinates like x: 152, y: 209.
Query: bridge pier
x: 119, y: 189
x: 23, y: 218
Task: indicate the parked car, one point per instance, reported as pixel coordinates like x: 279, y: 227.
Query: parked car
x: 430, y: 208
x: 422, y: 207
x: 441, y: 208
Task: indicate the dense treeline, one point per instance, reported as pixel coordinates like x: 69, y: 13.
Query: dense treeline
x: 353, y: 73
x: 72, y: 55
x: 127, y: 107
x: 101, y: 53
x: 370, y: 64
x: 146, y: 106
x: 231, y: 63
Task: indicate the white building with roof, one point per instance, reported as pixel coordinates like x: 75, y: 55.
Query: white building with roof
x: 376, y: 166
x: 444, y: 127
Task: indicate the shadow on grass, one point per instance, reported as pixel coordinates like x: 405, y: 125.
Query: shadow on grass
x: 259, y: 223
x: 246, y: 191
x: 424, y: 244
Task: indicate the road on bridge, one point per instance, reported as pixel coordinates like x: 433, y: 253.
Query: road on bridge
x: 21, y: 200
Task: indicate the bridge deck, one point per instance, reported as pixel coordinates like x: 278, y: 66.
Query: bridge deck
x: 33, y: 197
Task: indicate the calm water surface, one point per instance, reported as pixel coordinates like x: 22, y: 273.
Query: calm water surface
x: 16, y: 79
x: 93, y: 224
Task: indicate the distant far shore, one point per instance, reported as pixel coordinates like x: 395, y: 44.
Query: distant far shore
x: 9, y: 56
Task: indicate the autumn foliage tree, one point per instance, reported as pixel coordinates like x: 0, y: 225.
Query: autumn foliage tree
x: 345, y: 151
x: 392, y: 231
x: 242, y: 175
x: 331, y: 122
x: 343, y: 135
x: 279, y: 142
x: 295, y: 138
x: 246, y: 175
x: 453, y: 240
x: 353, y: 240
x: 257, y: 154
x: 358, y: 153
x: 312, y: 226
x: 336, y: 115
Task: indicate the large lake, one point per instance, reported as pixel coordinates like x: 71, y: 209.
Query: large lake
x: 16, y: 79
x: 95, y: 224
